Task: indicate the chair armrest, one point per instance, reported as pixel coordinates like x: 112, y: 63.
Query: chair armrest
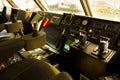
x: 9, y: 47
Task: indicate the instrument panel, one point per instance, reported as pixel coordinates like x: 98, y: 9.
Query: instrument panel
x: 79, y: 23
x: 104, y: 28
x: 94, y: 29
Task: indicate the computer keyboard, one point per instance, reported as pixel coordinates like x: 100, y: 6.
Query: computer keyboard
x: 50, y: 49
x: 39, y: 53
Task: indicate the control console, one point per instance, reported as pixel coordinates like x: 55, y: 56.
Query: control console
x: 95, y: 43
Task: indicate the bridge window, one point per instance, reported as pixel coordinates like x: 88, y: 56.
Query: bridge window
x: 3, y: 3
x: 107, y: 9
x: 61, y: 6
x: 26, y: 5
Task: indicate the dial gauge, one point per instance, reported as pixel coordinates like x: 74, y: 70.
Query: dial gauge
x: 84, y: 22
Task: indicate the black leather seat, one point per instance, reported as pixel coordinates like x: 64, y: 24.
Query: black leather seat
x: 27, y: 69
x: 32, y: 69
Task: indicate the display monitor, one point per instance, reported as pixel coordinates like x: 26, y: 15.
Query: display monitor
x: 21, y: 15
x: 36, y: 17
x: 2, y: 14
x: 52, y: 35
x: 67, y: 44
x: 8, y: 13
x: 13, y: 13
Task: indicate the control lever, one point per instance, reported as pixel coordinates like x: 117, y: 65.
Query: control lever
x: 38, y: 26
x: 82, y: 43
x: 103, y: 47
x: 82, y: 38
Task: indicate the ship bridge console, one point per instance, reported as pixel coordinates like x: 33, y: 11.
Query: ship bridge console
x: 90, y: 42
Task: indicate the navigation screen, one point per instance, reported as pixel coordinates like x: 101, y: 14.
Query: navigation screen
x: 52, y: 35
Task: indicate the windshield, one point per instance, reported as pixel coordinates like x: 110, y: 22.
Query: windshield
x: 4, y: 3
x: 26, y: 5
x: 106, y: 9
x: 64, y: 6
